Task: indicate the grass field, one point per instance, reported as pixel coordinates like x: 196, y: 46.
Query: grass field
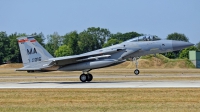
x: 100, y: 100
x: 107, y: 74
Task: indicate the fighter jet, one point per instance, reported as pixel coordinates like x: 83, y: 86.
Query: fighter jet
x: 36, y: 58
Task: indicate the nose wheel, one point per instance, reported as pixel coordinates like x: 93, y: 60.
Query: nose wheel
x: 86, y: 77
x: 136, y: 71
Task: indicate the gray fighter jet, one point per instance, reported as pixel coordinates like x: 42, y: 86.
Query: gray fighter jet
x: 36, y: 58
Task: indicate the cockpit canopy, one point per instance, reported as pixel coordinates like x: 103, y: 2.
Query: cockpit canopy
x: 144, y: 38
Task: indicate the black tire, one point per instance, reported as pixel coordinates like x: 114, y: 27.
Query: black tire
x: 137, y: 72
x: 89, y: 77
x: 83, y: 77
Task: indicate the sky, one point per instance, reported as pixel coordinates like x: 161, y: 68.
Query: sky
x: 154, y: 17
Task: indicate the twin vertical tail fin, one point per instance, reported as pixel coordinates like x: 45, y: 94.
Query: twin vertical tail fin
x: 31, y: 51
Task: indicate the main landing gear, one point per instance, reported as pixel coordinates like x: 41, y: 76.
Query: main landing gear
x: 30, y: 71
x: 86, y: 77
x: 136, y: 71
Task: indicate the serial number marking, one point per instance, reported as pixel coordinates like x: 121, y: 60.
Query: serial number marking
x: 34, y: 59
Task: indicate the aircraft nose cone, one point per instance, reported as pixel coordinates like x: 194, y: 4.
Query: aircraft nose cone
x: 178, y: 45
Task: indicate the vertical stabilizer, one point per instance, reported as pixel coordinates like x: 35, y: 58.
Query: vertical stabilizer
x: 31, y: 51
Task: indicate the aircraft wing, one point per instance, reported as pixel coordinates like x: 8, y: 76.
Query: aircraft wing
x: 94, y: 55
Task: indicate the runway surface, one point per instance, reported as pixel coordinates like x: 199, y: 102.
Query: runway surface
x: 114, y: 84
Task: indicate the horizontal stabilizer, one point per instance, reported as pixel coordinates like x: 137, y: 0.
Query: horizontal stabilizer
x: 28, y: 69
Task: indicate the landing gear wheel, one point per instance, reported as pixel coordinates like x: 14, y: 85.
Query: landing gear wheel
x: 83, y: 77
x: 89, y: 77
x: 137, y: 72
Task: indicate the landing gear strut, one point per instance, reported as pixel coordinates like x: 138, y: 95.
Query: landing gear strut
x: 136, y: 71
x: 86, y: 77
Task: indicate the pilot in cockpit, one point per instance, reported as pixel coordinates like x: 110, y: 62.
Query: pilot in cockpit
x: 149, y: 39
x: 153, y: 38
x: 144, y: 38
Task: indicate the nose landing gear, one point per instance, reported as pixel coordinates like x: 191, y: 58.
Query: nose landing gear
x: 136, y: 71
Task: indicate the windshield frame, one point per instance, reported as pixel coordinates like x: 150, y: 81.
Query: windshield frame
x: 144, y: 38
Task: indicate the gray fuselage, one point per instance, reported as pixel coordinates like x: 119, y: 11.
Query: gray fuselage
x: 117, y: 54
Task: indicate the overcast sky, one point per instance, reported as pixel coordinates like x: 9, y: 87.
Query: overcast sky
x: 155, y: 17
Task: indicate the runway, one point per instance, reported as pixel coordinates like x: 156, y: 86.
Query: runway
x: 113, y: 84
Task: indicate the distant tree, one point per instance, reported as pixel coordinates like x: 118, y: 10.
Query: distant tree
x: 4, y: 42
x: 99, y: 35
x: 130, y: 35
x: 14, y: 55
x: 185, y: 52
x: 118, y: 36
x: 86, y: 42
x: 111, y: 42
x: 53, y: 42
x: 71, y: 40
x: 123, y: 37
x: 198, y: 46
x: 177, y: 36
x: 63, y: 50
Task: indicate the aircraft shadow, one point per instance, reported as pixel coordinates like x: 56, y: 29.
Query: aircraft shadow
x: 65, y: 82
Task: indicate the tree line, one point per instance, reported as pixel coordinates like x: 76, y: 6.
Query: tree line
x: 74, y: 43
